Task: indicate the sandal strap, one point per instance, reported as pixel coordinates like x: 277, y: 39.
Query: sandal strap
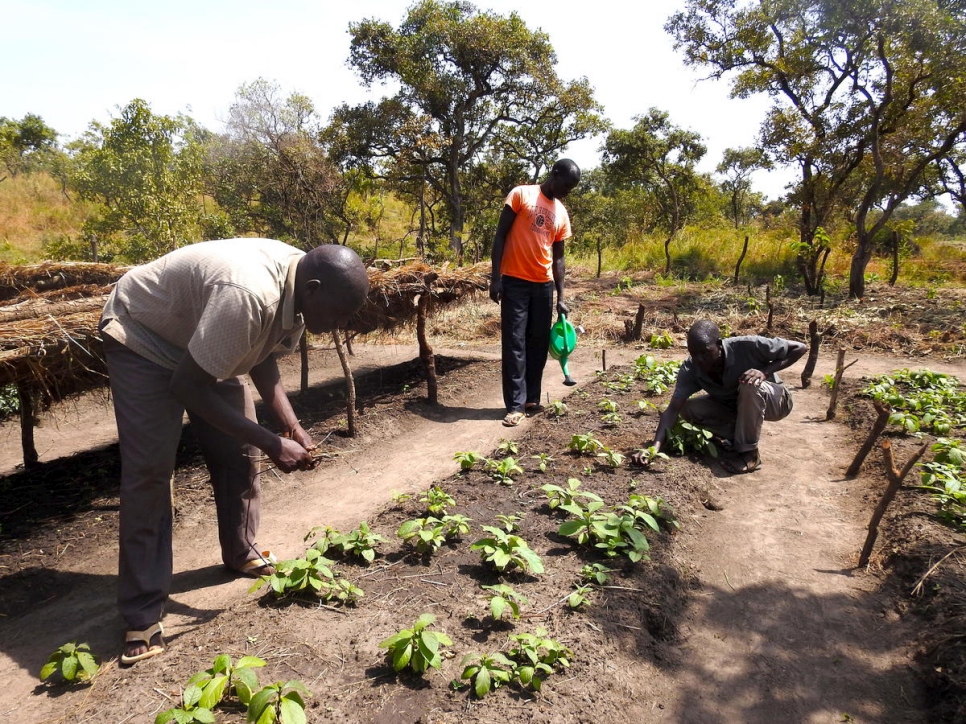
x: 144, y: 636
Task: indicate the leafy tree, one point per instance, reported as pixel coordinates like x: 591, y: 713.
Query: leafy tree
x: 25, y: 143
x: 868, y: 96
x: 660, y: 158
x: 145, y: 170
x: 737, y: 165
x: 464, y: 78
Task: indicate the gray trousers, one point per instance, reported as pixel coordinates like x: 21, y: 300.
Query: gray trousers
x: 742, y: 423
x: 149, y: 425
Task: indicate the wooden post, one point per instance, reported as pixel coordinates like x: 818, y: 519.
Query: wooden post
x: 425, y: 350
x: 814, y: 342
x: 350, y: 383
x: 744, y: 250
x: 840, y: 367
x: 603, y: 360
x: 895, y: 482
x: 877, y: 427
x: 638, y: 323
x: 27, y: 422
x: 895, y: 258
x: 304, y: 359
x: 771, y: 307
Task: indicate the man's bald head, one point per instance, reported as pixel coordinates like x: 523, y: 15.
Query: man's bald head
x: 564, y: 177
x: 331, y: 284
x: 704, y: 345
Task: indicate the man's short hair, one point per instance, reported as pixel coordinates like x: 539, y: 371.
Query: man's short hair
x: 703, y: 334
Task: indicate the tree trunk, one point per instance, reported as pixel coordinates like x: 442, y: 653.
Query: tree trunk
x: 350, y: 383
x: 860, y: 260
x: 895, y: 259
x: 638, y: 323
x: 771, y: 307
x: 425, y: 351
x: 744, y: 250
x: 667, y: 255
x: 600, y: 257
x: 814, y: 342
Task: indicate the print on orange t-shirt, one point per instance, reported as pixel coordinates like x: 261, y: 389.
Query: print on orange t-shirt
x: 540, y: 222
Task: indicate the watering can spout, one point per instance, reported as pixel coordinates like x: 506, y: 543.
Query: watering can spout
x: 563, y: 341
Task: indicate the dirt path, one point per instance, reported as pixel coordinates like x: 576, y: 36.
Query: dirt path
x: 777, y: 611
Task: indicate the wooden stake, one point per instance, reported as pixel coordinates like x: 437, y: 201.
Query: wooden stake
x: 877, y: 427
x: 425, y: 351
x: 350, y: 383
x: 840, y: 367
x: 814, y: 343
x: 771, y: 307
x: 895, y: 482
x: 638, y: 324
x: 744, y: 250
x: 27, y: 422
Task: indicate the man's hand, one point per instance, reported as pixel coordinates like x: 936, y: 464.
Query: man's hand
x: 752, y: 377
x: 562, y: 308
x: 291, y: 456
x: 496, y: 289
x: 303, y: 438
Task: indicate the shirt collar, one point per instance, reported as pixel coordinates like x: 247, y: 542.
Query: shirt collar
x: 289, y: 318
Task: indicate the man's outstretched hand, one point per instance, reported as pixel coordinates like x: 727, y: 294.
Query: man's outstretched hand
x: 292, y: 456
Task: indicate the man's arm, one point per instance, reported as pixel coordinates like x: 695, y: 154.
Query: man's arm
x: 195, y: 389
x: 755, y: 376
x: 559, y: 272
x: 665, y: 423
x: 267, y: 380
x: 507, y: 217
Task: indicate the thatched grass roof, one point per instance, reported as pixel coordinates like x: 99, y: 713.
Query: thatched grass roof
x: 49, y: 314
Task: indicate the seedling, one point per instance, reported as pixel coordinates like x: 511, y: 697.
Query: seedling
x: 486, y: 672
x: 657, y: 376
x: 685, y: 437
x: 580, y: 596
x: 416, y: 648
x: 535, y: 657
x: 558, y: 496
x: 436, y: 500
x: 507, y: 447
x: 502, y: 471
x: 644, y: 406
x: 429, y: 534
x: 74, y: 662
x: 223, y: 678
x: 467, y: 460
x: 606, y: 406
x: 189, y: 712
x: 596, y: 573
x: 650, y: 510
x: 662, y: 340
x: 511, y: 521
x: 502, y: 551
x: 456, y: 526
x: 585, y: 444
x: 279, y: 702
x: 612, y: 419
x: 359, y: 543
x: 649, y: 454
x: 504, y: 598
x: 543, y: 460
x: 311, y: 575
x: 611, y: 457
x: 558, y: 408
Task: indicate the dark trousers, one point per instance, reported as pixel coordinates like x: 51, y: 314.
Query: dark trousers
x: 526, y: 315
x: 149, y: 423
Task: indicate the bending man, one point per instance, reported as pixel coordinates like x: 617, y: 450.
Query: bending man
x: 528, y: 264
x: 741, y: 390
x: 179, y: 333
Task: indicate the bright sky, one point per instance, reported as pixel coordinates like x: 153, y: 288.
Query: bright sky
x: 75, y: 62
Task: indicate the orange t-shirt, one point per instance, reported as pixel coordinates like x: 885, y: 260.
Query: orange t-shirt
x: 540, y: 223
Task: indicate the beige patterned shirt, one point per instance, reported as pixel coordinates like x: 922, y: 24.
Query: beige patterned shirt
x: 230, y: 303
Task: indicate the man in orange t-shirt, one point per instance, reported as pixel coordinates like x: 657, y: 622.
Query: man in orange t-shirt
x: 528, y: 264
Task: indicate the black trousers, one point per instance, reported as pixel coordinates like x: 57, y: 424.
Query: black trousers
x: 526, y: 315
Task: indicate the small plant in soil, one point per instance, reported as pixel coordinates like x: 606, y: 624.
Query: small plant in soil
x: 596, y: 573
x: 611, y: 457
x: 467, y: 460
x: 436, y: 500
x: 944, y: 478
x: 225, y: 678
x: 558, y: 496
x: 358, y: 543
x: 279, y: 702
x: 74, y: 662
x: 309, y: 576
x: 611, y: 532
x: 649, y: 454
x: 486, y: 672
x: 502, y: 471
x: 543, y: 460
x: 580, y: 596
x: 585, y: 444
x: 657, y: 377
x: 535, y: 656
x: 558, y: 408
x: 190, y: 710
x: 685, y: 437
x: 507, y: 447
x: 504, y: 551
x: 643, y: 407
x: 651, y: 511
x: 429, y: 534
x: 662, y: 340
x: 607, y: 406
x: 510, y: 522
x: 612, y: 419
x: 416, y: 648
x: 504, y: 599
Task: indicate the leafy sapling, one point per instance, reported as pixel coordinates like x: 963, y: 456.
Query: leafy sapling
x: 279, y: 702
x: 486, y: 672
x: 511, y: 522
x: 535, y: 657
x: 507, y: 447
x: 359, y: 543
x: 223, y: 677
x: 558, y: 408
x: 585, y: 444
x: 611, y: 457
x: 596, y: 573
x: 504, y: 551
x: 74, y: 663
x: 504, y: 599
x: 647, y: 455
x: 580, y: 596
x: 190, y: 710
x: 467, y: 460
x: 502, y: 471
x: 437, y: 500
x: 558, y: 496
x: 416, y: 648
x: 607, y: 406
x: 543, y: 460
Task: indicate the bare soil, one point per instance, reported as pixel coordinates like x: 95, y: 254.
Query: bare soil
x: 752, y: 612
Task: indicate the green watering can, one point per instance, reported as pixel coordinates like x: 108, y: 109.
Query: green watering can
x: 563, y: 340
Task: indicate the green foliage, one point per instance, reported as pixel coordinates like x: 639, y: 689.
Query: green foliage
x: 536, y: 656
x: 486, y: 673
x: 429, y: 534
x: 190, y: 711
x: 510, y: 522
x: 651, y: 511
x: 223, y: 678
x: 416, y: 648
x: 543, y: 460
x: 657, y: 377
x: 309, y: 576
x: 504, y: 599
x: 558, y: 408
x: 945, y: 478
x: 504, y: 551
x: 436, y: 500
x: 358, y: 543
x: 507, y: 447
x: 558, y: 496
x: 74, y: 663
x: 25, y: 145
x: 662, y: 340
x: 503, y: 470
x: 467, y: 459
x: 649, y: 454
x: 921, y: 401
x: 607, y: 406
x: 612, y: 532
x: 585, y: 444
x: 684, y: 437
x: 595, y: 573
x: 580, y: 596
x: 611, y: 457
x: 279, y: 702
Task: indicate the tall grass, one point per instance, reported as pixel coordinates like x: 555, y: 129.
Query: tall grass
x: 33, y: 208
